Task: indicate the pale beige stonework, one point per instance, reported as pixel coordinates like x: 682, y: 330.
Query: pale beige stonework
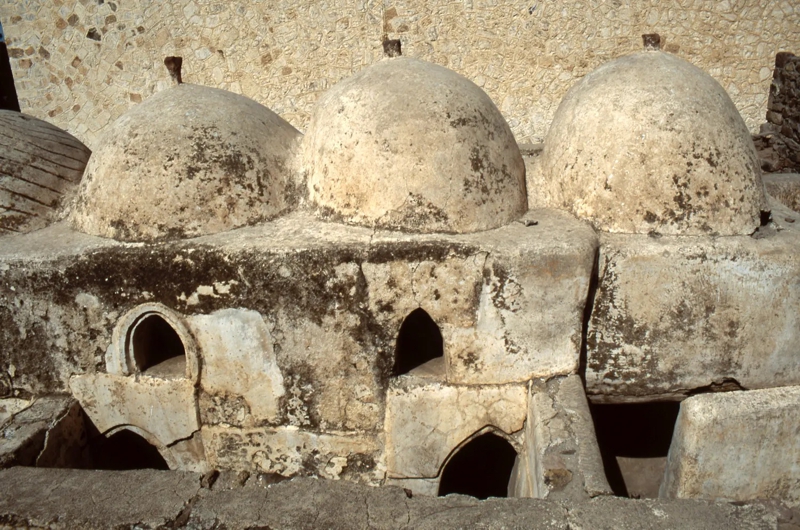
x: 525, y: 55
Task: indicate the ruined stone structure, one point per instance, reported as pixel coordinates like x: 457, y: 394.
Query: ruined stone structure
x: 399, y: 296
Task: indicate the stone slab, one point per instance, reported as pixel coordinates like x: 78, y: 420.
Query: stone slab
x: 427, y: 420
x: 75, y: 499
x: 673, y: 314
x: 560, y: 458
x: 736, y: 446
x: 71, y: 498
x: 24, y: 436
x: 165, y: 409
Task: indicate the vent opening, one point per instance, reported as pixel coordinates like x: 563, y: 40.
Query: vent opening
x: 125, y: 450
x: 157, y: 348
x: 481, y: 468
x: 634, y: 440
x: 418, y: 342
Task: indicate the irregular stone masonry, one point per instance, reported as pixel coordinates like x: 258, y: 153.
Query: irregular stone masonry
x: 779, y: 141
x: 81, y: 64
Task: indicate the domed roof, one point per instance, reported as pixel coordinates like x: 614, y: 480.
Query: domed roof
x: 410, y: 145
x: 191, y: 160
x: 650, y: 143
x: 40, y: 167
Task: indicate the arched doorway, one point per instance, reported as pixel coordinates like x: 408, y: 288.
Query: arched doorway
x: 125, y: 450
x: 418, y: 341
x: 481, y: 468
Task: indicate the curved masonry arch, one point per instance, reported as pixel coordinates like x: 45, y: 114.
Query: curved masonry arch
x: 121, y: 359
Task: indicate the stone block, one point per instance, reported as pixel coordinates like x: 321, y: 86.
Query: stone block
x: 426, y: 421
x: 288, y: 451
x: 672, y: 314
x: 560, y: 458
x: 736, y: 446
x: 163, y: 408
x: 239, y: 360
x: 25, y: 438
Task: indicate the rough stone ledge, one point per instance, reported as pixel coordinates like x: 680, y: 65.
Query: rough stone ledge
x: 79, y: 499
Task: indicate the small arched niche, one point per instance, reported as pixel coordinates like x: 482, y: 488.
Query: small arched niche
x: 419, y: 342
x: 157, y: 348
x: 153, y: 340
x: 480, y: 468
x: 125, y: 450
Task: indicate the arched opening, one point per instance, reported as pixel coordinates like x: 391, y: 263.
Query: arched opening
x: 125, y: 450
x: 634, y: 440
x: 157, y: 348
x: 482, y: 468
x: 418, y: 342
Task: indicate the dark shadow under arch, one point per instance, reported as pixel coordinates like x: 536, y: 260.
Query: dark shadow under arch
x: 481, y: 468
x: 126, y: 450
x: 418, y: 342
x: 157, y: 347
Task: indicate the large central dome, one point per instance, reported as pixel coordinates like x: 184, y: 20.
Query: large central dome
x: 410, y: 145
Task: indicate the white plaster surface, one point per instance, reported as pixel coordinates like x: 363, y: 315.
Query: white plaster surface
x: 408, y: 145
x: 426, y: 421
x: 238, y: 359
x: 651, y: 143
x: 164, y: 408
x: 736, y: 446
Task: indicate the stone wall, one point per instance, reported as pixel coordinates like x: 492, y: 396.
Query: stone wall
x: 80, y: 64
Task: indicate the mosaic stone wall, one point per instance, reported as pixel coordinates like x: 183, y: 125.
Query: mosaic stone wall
x: 81, y: 63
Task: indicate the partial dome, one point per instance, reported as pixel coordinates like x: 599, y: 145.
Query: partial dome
x: 40, y: 168
x: 650, y: 143
x: 189, y: 161
x: 410, y: 145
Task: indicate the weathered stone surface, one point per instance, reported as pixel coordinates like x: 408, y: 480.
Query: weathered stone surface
x: 10, y: 406
x: 676, y: 314
x: 238, y: 360
x: 627, y: 514
x: 289, y: 451
x: 334, y: 342
x: 426, y: 421
x: 736, y: 446
x: 560, y: 458
x: 191, y: 160
x: 60, y: 499
x: 778, y: 143
x: 71, y: 498
x: 435, y: 158
x: 651, y: 143
x: 40, y: 167
x: 165, y: 409
x: 35, y: 432
x: 785, y: 187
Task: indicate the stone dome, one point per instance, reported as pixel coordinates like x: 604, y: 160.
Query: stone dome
x: 650, y: 143
x: 410, y: 145
x: 40, y: 168
x: 189, y: 161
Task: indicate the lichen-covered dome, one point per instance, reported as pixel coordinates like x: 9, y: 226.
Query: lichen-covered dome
x: 410, y: 145
x: 40, y: 167
x: 650, y: 143
x: 189, y: 161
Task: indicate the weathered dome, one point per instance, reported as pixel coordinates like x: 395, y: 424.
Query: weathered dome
x: 40, y: 167
x: 650, y: 143
x: 191, y: 160
x: 410, y: 145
